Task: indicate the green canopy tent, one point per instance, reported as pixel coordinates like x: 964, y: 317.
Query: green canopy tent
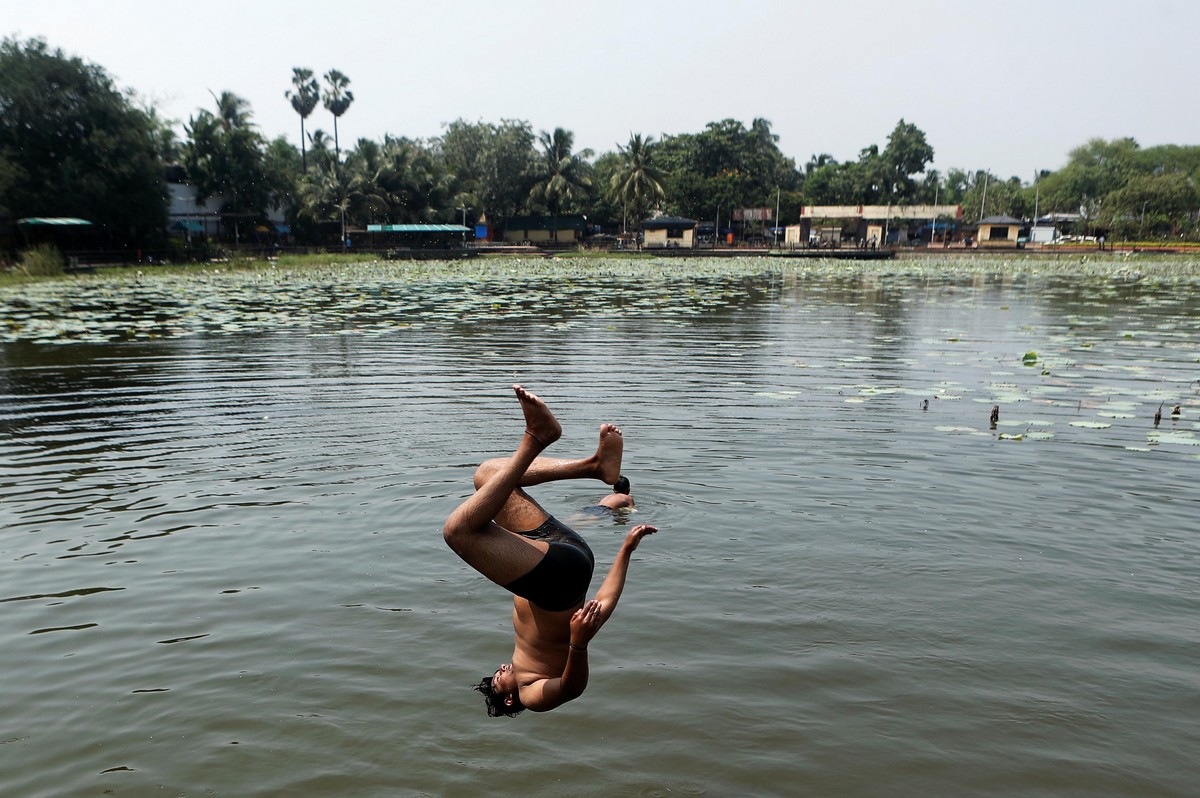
x: 60, y: 221
x: 187, y: 226
x: 420, y: 236
x: 77, y: 240
x: 49, y: 223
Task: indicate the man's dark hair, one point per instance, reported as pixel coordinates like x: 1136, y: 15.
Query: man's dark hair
x: 495, y: 701
x: 621, y: 485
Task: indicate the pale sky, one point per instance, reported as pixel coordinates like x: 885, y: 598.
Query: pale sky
x: 1009, y: 86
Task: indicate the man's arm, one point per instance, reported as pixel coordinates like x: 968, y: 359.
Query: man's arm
x: 546, y: 694
x: 610, y: 591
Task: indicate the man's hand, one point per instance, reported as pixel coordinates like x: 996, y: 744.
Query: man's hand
x: 585, y: 622
x: 637, y: 533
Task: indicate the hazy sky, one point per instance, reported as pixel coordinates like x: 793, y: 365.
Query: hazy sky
x: 1009, y: 86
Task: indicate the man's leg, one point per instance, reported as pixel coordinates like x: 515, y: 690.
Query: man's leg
x: 604, y: 464
x: 521, y: 513
x: 471, y: 530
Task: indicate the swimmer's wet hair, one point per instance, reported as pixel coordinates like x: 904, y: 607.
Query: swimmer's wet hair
x: 621, y: 485
x: 495, y: 701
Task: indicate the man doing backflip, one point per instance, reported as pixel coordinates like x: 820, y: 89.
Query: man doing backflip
x: 505, y: 535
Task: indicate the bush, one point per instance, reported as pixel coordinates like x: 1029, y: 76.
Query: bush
x: 44, y: 260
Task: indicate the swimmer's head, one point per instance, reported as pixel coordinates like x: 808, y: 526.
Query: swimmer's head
x: 500, y: 704
x: 621, y: 485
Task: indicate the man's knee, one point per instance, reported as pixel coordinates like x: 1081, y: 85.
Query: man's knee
x: 488, y: 470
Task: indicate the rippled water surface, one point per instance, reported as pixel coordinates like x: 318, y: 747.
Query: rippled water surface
x: 221, y: 568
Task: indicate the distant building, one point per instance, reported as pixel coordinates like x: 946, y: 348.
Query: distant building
x: 823, y: 225
x: 1051, y: 227
x: 998, y: 232
x: 539, y: 229
x: 189, y: 216
x: 669, y: 231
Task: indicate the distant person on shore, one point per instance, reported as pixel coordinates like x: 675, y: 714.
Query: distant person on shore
x: 502, y: 533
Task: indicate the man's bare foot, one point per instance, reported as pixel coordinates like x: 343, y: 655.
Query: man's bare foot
x: 540, y: 423
x: 608, y: 454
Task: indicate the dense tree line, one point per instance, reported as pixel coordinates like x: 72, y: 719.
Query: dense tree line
x: 71, y: 142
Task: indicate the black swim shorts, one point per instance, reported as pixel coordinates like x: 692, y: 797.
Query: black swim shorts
x: 560, y: 581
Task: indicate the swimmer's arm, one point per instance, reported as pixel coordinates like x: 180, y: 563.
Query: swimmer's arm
x: 614, y: 584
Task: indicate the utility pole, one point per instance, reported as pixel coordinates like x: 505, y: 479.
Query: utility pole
x: 776, y: 225
x: 937, y: 185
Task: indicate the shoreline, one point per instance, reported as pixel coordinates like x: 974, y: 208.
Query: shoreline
x: 679, y: 263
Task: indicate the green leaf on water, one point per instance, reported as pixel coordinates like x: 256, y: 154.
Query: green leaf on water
x: 1030, y: 358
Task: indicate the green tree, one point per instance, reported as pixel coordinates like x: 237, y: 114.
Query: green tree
x: 955, y: 186
x: 225, y: 157
x: 11, y: 176
x: 72, y: 144
x: 1150, y: 205
x: 337, y: 99
x: 282, y: 167
x: 563, y: 176
x: 326, y: 195
x: 494, y: 162
x: 836, y: 183
x: 907, y: 154
x: 989, y: 195
x: 637, y: 181
x: 727, y: 166
x: 877, y: 177
x: 320, y: 147
x: 818, y: 161
x: 304, y: 99
x: 1093, y: 170
x: 603, y: 208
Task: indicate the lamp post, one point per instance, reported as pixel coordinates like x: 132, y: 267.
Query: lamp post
x: 776, y: 225
x: 937, y: 186
x: 464, y: 223
x: 1142, y: 228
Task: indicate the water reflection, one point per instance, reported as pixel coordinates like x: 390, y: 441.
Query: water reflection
x: 222, y: 552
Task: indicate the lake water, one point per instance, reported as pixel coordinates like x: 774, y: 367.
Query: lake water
x: 221, y: 568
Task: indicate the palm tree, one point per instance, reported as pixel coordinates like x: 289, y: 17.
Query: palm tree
x: 332, y: 192
x: 304, y: 100
x: 224, y: 156
x: 562, y: 175
x: 637, y: 183
x: 318, y: 142
x: 233, y: 111
x: 337, y: 99
x: 416, y: 183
